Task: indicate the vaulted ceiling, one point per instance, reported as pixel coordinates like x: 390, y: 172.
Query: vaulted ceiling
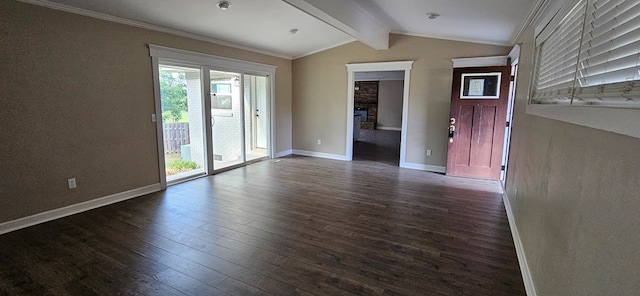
x: 294, y: 28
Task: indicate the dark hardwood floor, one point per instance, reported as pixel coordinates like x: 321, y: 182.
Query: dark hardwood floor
x: 290, y: 226
x: 378, y: 145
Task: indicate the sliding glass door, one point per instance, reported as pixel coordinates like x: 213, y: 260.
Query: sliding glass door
x: 256, y: 93
x: 239, y: 118
x: 182, y: 124
x: 215, y: 113
x: 226, y: 119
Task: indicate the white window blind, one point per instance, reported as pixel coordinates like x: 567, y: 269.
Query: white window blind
x: 557, y: 59
x: 592, y: 56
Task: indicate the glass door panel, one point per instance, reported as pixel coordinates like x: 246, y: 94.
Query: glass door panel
x: 255, y: 116
x: 226, y: 119
x: 182, y: 121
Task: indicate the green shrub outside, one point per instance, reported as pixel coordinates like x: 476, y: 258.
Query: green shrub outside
x: 182, y: 165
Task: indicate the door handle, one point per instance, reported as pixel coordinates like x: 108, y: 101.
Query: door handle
x: 452, y: 128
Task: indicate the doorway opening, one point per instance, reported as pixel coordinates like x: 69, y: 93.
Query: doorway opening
x: 366, y: 133
x: 378, y: 116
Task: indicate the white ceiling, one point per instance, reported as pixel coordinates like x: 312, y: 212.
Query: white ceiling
x: 484, y: 21
x: 264, y: 25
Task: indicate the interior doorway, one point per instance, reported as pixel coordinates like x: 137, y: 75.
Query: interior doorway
x: 354, y: 115
x: 378, y: 116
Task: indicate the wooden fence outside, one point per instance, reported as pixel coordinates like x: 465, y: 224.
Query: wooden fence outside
x: 175, y: 135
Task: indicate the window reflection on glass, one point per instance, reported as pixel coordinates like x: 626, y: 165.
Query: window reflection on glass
x: 221, y: 95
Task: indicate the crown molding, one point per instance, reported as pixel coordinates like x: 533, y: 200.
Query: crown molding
x: 533, y: 13
x: 143, y: 25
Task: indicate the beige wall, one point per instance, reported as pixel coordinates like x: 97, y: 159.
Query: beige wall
x: 320, y: 93
x: 76, y: 98
x: 390, y: 103
x: 575, y: 194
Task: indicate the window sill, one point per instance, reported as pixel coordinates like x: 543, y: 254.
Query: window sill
x: 621, y: 121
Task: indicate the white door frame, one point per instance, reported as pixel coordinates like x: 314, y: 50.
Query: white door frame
x: 374, y: 67
x: 514, y: 55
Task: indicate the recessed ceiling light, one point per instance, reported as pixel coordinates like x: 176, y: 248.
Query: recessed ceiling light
x: 432, y: 15
x: 293, y: 31
x: 224, y: 5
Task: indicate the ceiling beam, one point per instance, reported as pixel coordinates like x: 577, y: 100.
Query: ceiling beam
x: 349, y: 18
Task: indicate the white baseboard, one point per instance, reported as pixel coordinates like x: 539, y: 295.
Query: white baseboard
x: 522, y: 259
x: 424, y: 167
x: 284, y: 153
x: 384, y: 128
x: 320, y: 154
x: 76, y: 208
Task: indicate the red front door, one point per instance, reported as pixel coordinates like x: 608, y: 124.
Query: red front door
x: 479, y: 100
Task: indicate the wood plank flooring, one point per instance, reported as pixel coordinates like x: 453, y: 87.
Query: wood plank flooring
x: 290, y: 226
x: 378, y: 145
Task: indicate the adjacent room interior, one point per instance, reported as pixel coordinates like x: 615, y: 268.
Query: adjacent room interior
x: 237, y: 147
x: 378, y: 116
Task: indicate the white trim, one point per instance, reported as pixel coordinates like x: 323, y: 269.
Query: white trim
x: 480, y: 62
x: 529, y: 285
x: 284, y: 153
x: 319, y: 154
x: 179, y: 55
x: 472, y: 97
x: 271, y: 105
x: 621, y: 121
x: 535, y: 10
x: 76, y: 208
x: 514, y: 55
x: 159, y: 127
x: 124, y: 21
x: 188, y: 177
x: 424, y: 167
x: 385, y: 128
x: 380, y: 66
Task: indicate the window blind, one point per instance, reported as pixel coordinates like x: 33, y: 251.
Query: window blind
x: 557, y: 59
x: 606, y: 70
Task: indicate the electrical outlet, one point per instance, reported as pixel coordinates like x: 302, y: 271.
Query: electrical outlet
x: 72, y: 183
x: 318, y: 142
x: 153, y: 117
x: 428, y: 152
